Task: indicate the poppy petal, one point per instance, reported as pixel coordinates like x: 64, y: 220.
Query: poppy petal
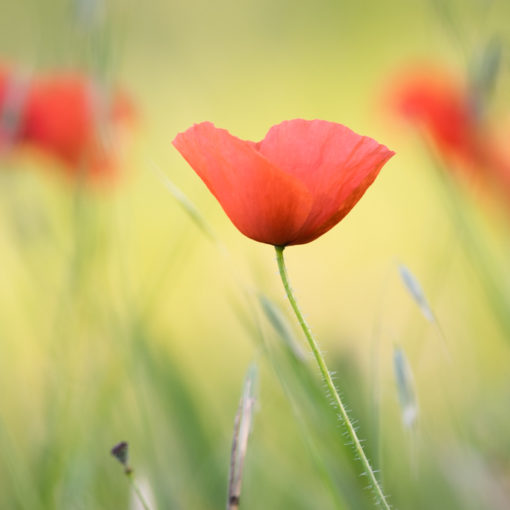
x: 265, y: 203
x: 357, y: 180
x: 336, y: 165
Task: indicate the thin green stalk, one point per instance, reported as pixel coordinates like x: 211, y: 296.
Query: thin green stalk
x: 477, y: 250
x: 137, y: 490
x: 319, y: 358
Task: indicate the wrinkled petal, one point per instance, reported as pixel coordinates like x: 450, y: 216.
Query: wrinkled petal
x: 350, y: 191
x: 265, y: 203
x: 334, y: 163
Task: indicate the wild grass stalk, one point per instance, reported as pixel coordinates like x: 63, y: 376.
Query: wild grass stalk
x: 242, y: 428
x: 121, y: 452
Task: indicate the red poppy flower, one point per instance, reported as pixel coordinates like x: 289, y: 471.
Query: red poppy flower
x: 440, y: 104
x: 291, y: 187
x: 74, y: 122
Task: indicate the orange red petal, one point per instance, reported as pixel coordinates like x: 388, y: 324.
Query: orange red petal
x: 335, y: 164
x: 291, y: 187
x: 265, y: 203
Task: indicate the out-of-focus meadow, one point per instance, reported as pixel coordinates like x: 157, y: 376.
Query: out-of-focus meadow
x: 121, y: 318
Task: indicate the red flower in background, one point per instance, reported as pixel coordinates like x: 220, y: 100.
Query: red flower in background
x: 67, y: 117
x: 441, y: 106
x: 294, y: 185
x: 444, y: 109
x: 70, y: 119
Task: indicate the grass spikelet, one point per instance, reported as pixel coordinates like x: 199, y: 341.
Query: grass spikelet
x: 242, y: 427
x: 405, y: 388
x: 415, y: 290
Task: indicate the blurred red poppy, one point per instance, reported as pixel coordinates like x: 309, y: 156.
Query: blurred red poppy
x: 70, y: 119
x: 448, y: 112
x: 294, y: 185
x: 439, y: 104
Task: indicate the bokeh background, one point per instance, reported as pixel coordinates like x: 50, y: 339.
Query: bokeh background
x: 122, y: 319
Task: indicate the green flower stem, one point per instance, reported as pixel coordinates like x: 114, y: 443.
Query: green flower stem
x: 381, y: 499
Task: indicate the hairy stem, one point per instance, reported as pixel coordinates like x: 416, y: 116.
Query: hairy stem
x: 319, y: 358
